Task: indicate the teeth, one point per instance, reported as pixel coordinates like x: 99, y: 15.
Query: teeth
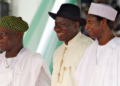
x: 88, y: 30
x: 60, y: 33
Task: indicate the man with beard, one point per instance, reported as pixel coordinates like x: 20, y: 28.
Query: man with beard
x: 67, y: 57
x: 100, y: 65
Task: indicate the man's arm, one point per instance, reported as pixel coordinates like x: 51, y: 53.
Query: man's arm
x: 44, y: 77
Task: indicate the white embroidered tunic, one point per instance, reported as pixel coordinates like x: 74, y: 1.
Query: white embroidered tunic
x: 66, y: 60
x: 26, y: 69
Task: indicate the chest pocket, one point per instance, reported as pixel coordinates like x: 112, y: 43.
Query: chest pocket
x: 5, y: 77
x: 17, y: 78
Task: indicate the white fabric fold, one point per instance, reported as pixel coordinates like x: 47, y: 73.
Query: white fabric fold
x: 26, y: 68
x: 105, y: 71
x: 5, y: 77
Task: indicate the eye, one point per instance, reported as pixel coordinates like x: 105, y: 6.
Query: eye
x: 3, y: 33
x: 63, y: 23
x: 89, y: 22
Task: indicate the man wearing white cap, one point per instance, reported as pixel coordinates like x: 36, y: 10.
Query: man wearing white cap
x: 100, y: 65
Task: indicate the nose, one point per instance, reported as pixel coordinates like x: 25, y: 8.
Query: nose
x: 57, y: 28
x: 87, y: 27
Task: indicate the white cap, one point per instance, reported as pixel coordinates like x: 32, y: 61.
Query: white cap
x: 103, y: 10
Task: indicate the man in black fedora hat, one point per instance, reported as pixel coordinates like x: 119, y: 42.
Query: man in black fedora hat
x: 67, y: 57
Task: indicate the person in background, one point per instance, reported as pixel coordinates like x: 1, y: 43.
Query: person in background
x: 19, y: 66
x: 100, y: 65
x: 68, y: 56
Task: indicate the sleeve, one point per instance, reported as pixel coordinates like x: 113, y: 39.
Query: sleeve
x: 44, y: 77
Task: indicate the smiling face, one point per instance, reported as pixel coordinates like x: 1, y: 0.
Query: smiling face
x: 65, y: 29
x: 7, y: 39
x: 93, y: 26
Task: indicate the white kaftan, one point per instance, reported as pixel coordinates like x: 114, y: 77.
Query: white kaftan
x: 103, y: 70
x: 70, y: 55
x: 26, y: 69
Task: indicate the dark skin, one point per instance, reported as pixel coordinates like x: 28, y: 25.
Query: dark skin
x: 66, y: 29
x: 99, y: 29
x: 10, y: 41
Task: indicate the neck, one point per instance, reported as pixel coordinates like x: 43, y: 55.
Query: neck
x: 105, y: 39
x: 13, y: 53
x: 66, y: 42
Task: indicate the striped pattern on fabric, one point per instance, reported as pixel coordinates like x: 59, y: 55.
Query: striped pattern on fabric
x: 14, y: 23
x: 43, y: 79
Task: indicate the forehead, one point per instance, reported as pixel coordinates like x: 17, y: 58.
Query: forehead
x: 62, y: 19
x: 6, y: 29
x: 91, y: 17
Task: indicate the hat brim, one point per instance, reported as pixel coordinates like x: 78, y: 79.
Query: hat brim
x: 81, y: 20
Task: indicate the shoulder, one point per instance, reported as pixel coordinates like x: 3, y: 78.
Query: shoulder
x: 86, y: 39
x: 117, y: 41
x: 34, y: 56
x: 92, y: 45
x: 59, y: 48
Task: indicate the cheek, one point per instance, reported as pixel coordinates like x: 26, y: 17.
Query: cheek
x: 64, y: 28
x: 96, y: 32
x: 9, y: 42
x: 5, y: 45
x: 67, y: 31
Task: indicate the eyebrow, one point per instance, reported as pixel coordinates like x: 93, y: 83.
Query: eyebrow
x: 87, y: 20
x: 4, y: 30
x: 62, y: 21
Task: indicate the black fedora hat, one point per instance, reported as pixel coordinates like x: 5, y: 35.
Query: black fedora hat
x: 69, y: 11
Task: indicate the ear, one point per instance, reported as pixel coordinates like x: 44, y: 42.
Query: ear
x: 103, y: 22
x: 19, y: 35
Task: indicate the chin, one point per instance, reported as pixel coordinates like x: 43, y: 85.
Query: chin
x: 91, y: 35
x: 61, y: 39
x: 3, y: 48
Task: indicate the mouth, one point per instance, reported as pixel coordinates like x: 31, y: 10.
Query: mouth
x: 59, y: 35
x: 89, y: 31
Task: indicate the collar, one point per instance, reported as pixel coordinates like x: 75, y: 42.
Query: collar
x: 4, y: 53
x: 15, y: 60
x: 74, y: 39
x: 112, y: 43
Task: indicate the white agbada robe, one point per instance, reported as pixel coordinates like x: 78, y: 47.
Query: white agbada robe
x: 26, y: 69
x: 71, y: 59
x: 101, y: 71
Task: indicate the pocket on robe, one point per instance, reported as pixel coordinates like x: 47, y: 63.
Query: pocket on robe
x: 17, y: 78
x: 5, y: 77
